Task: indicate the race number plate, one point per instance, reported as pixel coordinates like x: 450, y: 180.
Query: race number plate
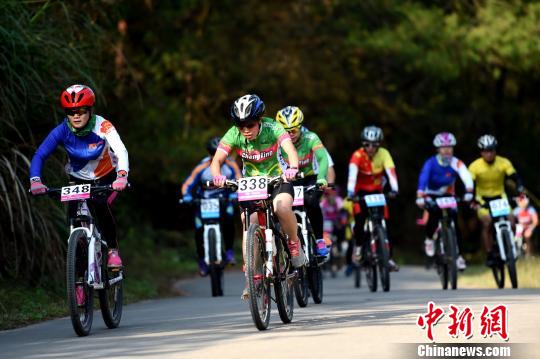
x: 252, y: 188
x: 446, y: 202
x: 209, y: 208
x: 74, y: 193
x: 298, y: 196
x: 499, y: 207
x: 375, y: 200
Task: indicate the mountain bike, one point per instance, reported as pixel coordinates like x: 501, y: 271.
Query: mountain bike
x: 210, y: 210
x: 310, y: 276
x: 505, y: 250
x: 86, y: 264
x: 376, y: 253
x: 446, y: 247
x: 267, y: 253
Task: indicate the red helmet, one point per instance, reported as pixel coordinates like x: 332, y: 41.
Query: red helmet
x: 77, y: 96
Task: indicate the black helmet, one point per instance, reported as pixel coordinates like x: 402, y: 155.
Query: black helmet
x: 213, y: 144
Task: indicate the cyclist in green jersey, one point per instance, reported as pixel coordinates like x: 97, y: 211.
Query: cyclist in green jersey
x: 310, y: 149
x: 256, y: 140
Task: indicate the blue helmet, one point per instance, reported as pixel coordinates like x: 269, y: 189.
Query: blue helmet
x: 213, y: 144
x: 247, y: 108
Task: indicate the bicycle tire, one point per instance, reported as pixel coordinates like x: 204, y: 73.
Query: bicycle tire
x: 76, y: 268
x: 510, y: 258
x: 215, y: 270
x: 498, y: 274
x: 384, y: 256
x: 111, y: 297
x: 301, y: 285
x: 258, y: 285
x: 451, y: 250
x: 357, y: 276
x: 315, y: 275
x: 283, y: 285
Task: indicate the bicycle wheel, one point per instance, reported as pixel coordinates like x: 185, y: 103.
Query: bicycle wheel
x: 258, y: 285
x: 283, y: 285
x: 370, y: 267
x: 301, y: 285
x: 357, y: 276
x: 384, y: 256
x: 81, y: 313
x: 215, y: 270
x: 315, y: 275
x: 510, y: 258
x: 498, y: 273
x: 111, y: 297
x: 451, y: 251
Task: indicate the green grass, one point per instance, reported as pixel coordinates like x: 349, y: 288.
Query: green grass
x: 154, y: 260
x: 479, y: 276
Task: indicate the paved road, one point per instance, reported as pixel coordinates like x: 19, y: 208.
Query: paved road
x: 350, y: 323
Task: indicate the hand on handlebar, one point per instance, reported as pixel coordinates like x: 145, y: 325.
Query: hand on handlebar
x: 392, y: 194
x: 219, y: 181
x: 290, y: 173
x: 468, y: 197
x: 420, y: 202
x: 37, y: 187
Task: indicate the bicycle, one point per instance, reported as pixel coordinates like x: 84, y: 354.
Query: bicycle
x: 310, y: 276
x: 446, y: 247
x: 267, y: 253
x: 377, y: 254
x: 86, y: 264
x: 504, y: 241
x: 210, y: 209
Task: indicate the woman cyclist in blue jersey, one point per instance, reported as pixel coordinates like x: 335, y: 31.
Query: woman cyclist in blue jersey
x: 96, y: 155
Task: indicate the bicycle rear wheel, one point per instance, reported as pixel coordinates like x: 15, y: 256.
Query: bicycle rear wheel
x: 111, y: 297
x: 258, y: 285
x: 357, y: 276
x: 79, y: 294
x: 510, y: 258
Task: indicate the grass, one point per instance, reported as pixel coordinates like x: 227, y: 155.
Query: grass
x: 479, y: 276
x: 153, y: 259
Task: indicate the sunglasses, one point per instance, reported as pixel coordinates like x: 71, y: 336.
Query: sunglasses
x: 293, y: 131
x: 77, y: 111
x: 248, y: 125
x: 370, y: 144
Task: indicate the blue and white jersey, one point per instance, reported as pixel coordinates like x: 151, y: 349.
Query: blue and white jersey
x: 438, y: 177
x: 202, y: 173
x: 89, y: 157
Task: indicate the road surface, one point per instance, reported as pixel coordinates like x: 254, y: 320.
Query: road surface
x: 350, y: 323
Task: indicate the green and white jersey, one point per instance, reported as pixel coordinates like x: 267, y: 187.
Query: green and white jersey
x: 259, y: 156
x: 309, y: 148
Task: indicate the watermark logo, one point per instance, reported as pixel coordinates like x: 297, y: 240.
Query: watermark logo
x: 493, y: 321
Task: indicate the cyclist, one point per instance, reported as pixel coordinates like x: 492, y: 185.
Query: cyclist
x: 437, y: 179
x: 256, y: 139
x: 309, y: 147
x: 331, y: 173
x: 367, y: 167
x: 489, y: 173
x: 96, y: 155
x: 193, y: 186
x: 526, y: 219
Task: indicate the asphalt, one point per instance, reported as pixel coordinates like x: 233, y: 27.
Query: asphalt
x: 350, y: 323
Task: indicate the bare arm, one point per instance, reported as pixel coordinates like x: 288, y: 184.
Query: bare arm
x: 217, y: 162
x: 292, y: 155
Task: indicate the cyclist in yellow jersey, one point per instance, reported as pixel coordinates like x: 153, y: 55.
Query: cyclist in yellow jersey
x: 489, y: 173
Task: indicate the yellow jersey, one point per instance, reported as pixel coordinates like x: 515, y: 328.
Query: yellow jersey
x: 489, y: 177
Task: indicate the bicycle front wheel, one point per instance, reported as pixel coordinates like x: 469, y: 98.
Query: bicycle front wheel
x: 79, y: 294
x: 258, y: 285
x: 384, y: 256
x: 452, y: 255
x: 510, y: 258
x: 215, y: 270
x: 111, y: 297
x: 283, y: 286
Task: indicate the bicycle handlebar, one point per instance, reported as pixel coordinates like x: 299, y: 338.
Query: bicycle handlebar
x: 93, y: 189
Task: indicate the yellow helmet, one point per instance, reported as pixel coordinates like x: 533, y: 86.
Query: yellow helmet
x: 290, y: 117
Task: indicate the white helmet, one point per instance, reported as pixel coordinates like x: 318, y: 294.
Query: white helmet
x: 444, y: 139
x: 372, y: 134
x: 487, y: 142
